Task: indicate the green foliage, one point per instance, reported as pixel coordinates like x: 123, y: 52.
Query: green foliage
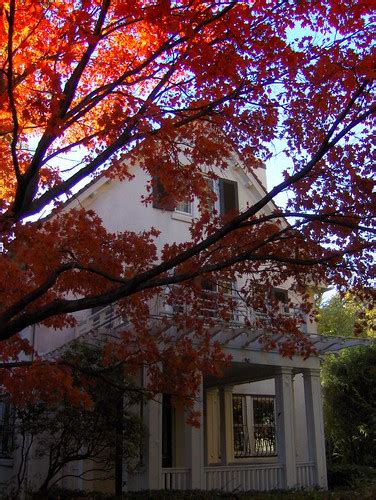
x: 350, y: 476
x: 348, y: 316
x: 349, y: 383
x: 336, y: 319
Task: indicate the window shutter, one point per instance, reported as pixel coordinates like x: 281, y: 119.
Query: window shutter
x: 160, y: 196
x: 228, y: 196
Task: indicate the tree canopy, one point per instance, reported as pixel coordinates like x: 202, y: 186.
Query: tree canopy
x: 348, y: 316
x: 124, y: 81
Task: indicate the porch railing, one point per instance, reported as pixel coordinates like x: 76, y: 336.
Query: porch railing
x: 248, y: 477
x: 176, y: 478
x: 306, y: 474
x: 259, y: 477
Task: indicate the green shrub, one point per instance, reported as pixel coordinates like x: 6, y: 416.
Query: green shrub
x: 350, y: 477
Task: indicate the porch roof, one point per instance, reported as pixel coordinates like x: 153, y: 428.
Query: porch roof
x: 325, y: 344
x: 242, y: 338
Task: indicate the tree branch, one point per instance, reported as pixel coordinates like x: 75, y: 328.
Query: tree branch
x: 12, y: 103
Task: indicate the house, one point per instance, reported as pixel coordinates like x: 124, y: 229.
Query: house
x: 261, y: 424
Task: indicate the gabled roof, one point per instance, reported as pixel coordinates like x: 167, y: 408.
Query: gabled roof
x: 101, y: 179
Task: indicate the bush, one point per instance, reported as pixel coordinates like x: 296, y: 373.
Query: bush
x: 351, y: 477
x: 349, y: 383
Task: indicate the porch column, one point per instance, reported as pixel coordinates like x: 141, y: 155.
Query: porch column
x: 194, y: 446
x: 315, y: 424
x: 153, y: 452
x: 226, y: 425
x: 285, y: 425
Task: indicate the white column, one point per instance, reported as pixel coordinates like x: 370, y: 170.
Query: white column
x: 194, y: 446
x: 315, y: 424
x: 285, y: 425
x: 226, y: 425
x: 153, y: 452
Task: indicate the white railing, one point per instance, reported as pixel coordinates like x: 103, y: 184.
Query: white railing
x: 306, y: 474
x: 106, y: 319
x: 248, y: 477
x: 176, y: 478
x: 241, y: 313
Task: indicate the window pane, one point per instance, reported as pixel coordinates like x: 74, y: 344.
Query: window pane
x: 264, y: 426
x: 185, y: 207
x: 281, y: 296
x: 254, y: 426
x: 241, y: 435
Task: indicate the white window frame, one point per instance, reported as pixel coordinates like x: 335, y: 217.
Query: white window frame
x: 184, y: 207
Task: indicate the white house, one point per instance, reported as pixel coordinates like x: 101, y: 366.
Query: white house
x: 261, y: 425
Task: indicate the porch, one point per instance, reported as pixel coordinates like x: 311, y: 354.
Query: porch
x: 261, y: 429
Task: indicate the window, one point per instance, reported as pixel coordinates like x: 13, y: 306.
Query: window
x: 281, y: 296
x: 227, y: 196
x: 225, y: 190
x: 254, y: 426
x: 184, y: 207
x: 6, y: 427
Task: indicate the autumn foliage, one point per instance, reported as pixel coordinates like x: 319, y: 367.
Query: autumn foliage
x: 100, y: 85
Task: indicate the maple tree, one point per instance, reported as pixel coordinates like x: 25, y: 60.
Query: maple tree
x: 143, y: 82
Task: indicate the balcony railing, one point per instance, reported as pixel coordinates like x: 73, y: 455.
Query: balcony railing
x: 108, y: 317
x: 240, y: 313
x: 104, y: 319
